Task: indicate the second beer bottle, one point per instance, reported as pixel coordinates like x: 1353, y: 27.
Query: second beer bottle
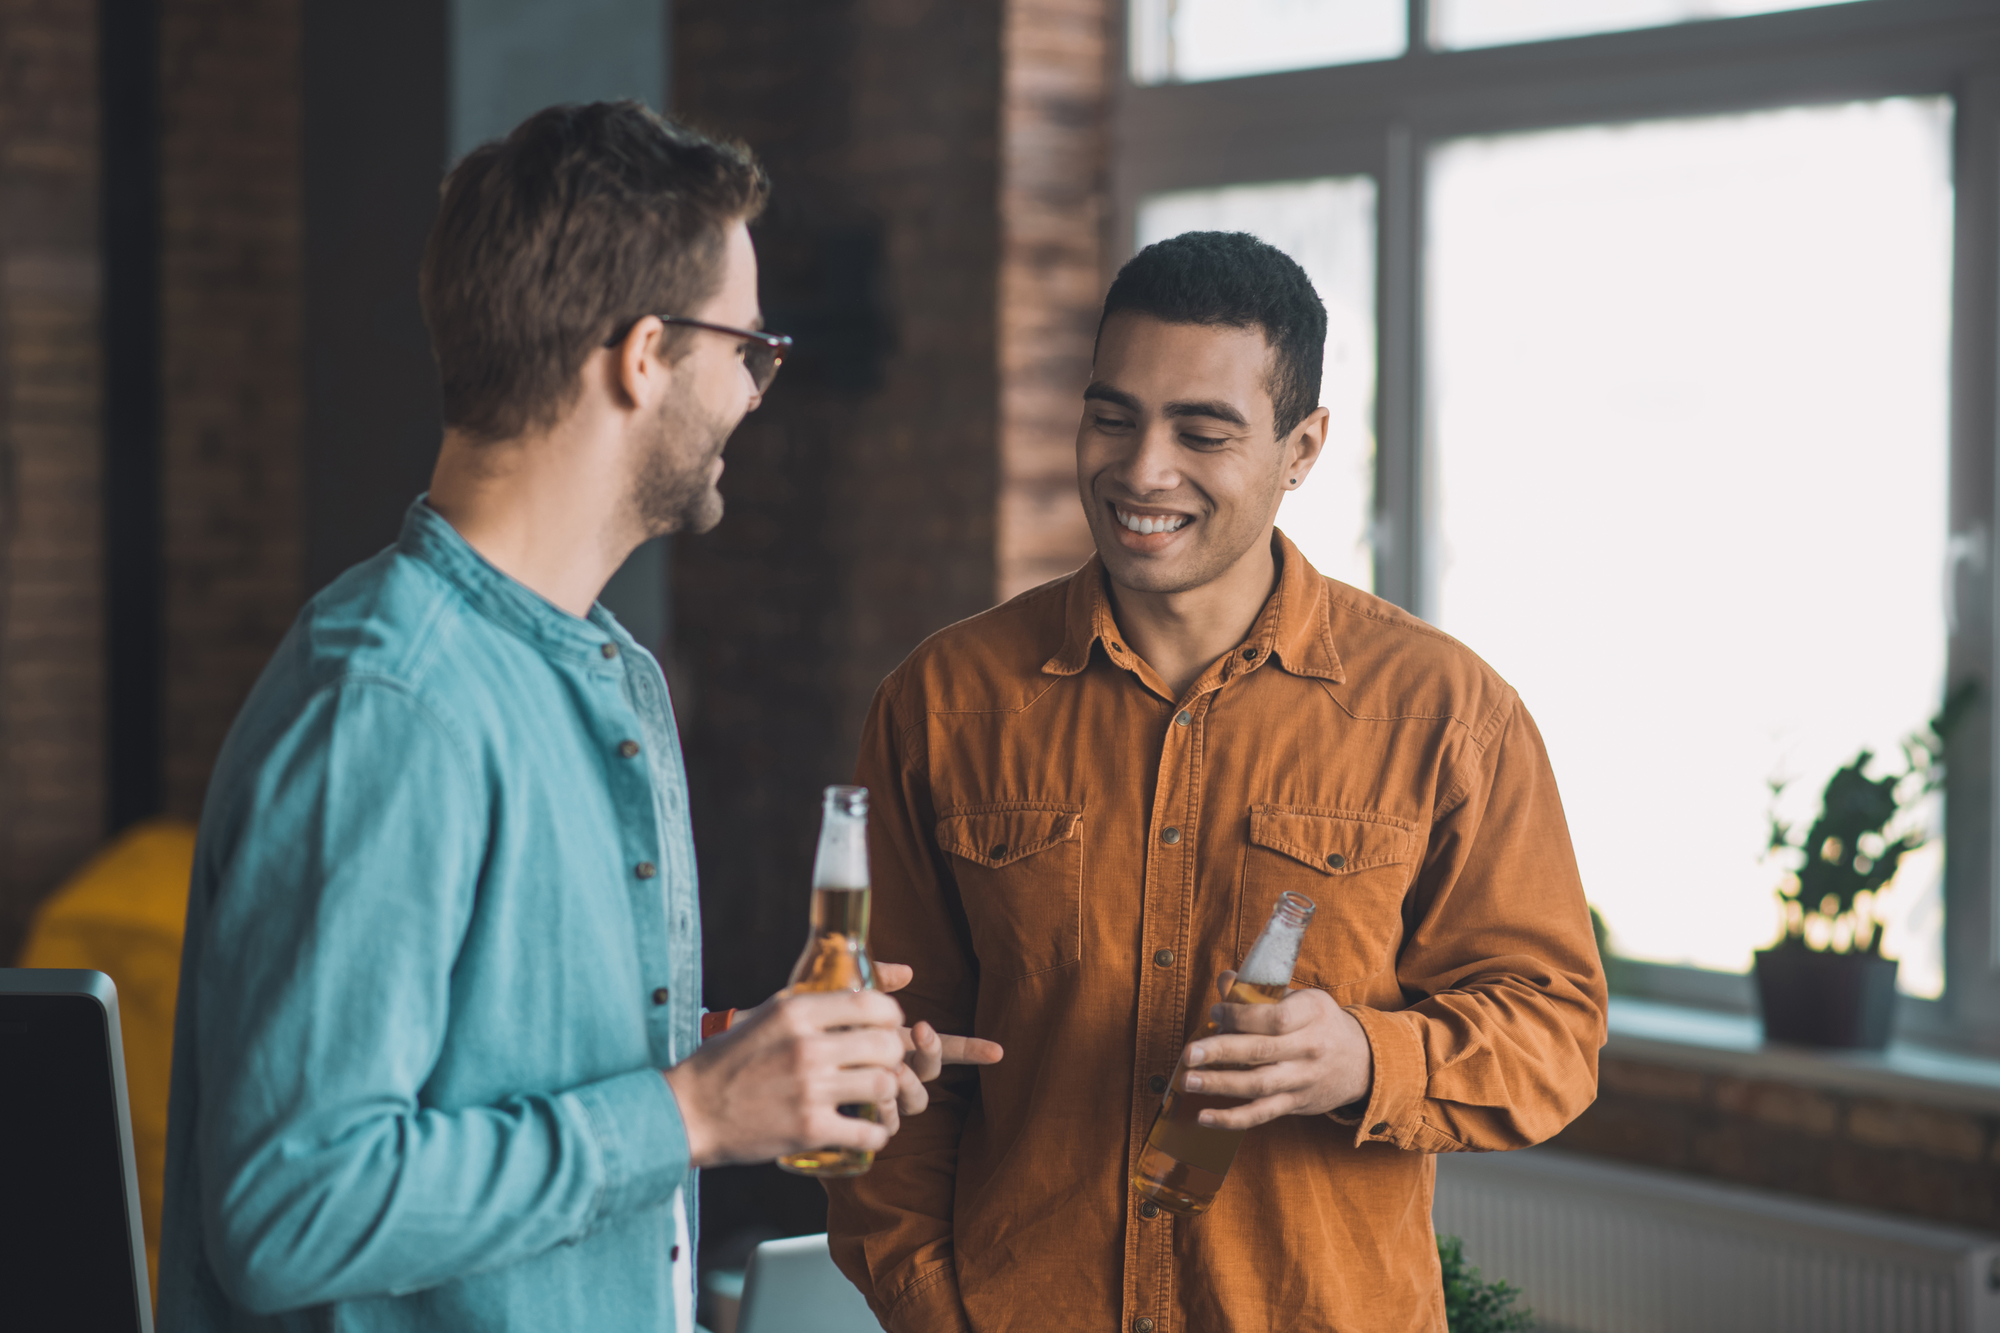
x: 836, y: 952
x: 1184, y: 1162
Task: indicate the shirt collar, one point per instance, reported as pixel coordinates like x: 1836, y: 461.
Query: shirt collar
x: 580, y: 642
x: 1294, y: 628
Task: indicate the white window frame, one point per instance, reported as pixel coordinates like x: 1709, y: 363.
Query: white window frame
x: 1381, y: 118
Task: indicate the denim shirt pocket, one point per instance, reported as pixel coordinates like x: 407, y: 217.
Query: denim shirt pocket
x: 1019, y: 866
x: 1354, y: 865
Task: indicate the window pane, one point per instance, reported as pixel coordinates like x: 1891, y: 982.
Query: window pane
x: 1688, y: 403
x: 1463, y: 23
x: 1328, y: 226
x: 1219, y: 39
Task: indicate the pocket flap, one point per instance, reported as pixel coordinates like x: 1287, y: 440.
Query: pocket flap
x: 1331, y: 843
x: 1001, y: 835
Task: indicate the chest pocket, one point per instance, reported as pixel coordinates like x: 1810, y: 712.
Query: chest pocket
x: 1020, y: 877
x: 1354, y: 865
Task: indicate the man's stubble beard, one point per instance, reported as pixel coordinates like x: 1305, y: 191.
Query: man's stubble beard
x: 671, y: 491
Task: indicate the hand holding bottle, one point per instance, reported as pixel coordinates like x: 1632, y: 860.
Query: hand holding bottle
x: 1304, y: 1055
x: 774, y: 1083
x: 926, y: 1051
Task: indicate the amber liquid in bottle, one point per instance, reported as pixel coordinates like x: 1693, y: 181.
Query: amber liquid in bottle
x: 836, y: 953
x: 1183, y: 1164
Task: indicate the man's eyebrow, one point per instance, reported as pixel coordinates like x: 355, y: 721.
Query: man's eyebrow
x: 1105, y: 393
x: 1216, y: 409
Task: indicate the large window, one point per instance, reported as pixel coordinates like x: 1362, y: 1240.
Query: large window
x: 1687, y: 408
x: 1681, y: 395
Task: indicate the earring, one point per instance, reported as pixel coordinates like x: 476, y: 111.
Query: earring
x: 1295, y: 481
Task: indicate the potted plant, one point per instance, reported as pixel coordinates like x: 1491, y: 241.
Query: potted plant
x: 1826, y: 983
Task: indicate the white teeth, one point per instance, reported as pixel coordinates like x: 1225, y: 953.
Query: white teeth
x: 1150, y: 525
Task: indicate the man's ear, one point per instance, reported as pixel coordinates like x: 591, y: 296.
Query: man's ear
x: 1304, y: 446
x: 640, y: 362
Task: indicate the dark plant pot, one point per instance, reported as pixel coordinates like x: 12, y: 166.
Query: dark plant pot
x: 1844, y: 1000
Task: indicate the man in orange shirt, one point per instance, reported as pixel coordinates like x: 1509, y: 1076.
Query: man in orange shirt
x: 1089, y: 799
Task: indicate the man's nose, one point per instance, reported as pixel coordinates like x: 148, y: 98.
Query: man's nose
x: 1152, y: 467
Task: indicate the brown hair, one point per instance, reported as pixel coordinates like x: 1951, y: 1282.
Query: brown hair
x: 562, y: 235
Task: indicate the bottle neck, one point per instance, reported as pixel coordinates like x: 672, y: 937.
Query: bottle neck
x: 1276, y: 952
x: 841, y: 911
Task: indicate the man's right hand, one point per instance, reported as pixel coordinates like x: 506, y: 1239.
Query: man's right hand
x: 773, y: 1083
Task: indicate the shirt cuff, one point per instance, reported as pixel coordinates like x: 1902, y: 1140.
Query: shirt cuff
x: 1392, y: 1113
x: 636, y: 1124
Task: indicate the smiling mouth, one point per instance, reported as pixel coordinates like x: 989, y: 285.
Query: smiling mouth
x: 1146, y: 524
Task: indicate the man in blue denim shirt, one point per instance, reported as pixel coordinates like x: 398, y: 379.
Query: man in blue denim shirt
x: 443, y: 938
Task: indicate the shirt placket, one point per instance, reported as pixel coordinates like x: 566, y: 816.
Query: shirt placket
x: 643, y: 850
x: 1173, y: 849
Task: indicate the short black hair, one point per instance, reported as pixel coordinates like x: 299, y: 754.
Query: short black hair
x: 1231, y: 278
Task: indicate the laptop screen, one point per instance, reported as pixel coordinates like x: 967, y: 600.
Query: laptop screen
x: 65, y: 1238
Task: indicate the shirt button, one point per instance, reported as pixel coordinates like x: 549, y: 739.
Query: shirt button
x: 673, y: 1254
x: 1117, y: 648
x: 1380, y: 1128
x: 609, y: 649
x: 1170, y: 836
x: 1249, y: 654
x: 1336, y: 860
x: 1158, y: 1083
x: 1164, y: 958
x: 999, y: 850
x: 661, y: 996
x: 1142, y: 1325
x: 1185, y: 718
x: 1149, y: 1210
x: 645, y: 870
x: 628, y: 748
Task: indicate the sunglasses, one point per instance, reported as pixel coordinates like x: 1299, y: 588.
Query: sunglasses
x: 762, y: 353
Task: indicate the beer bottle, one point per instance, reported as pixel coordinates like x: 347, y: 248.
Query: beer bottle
x: 1183, y: 1163
x: 836, y: 952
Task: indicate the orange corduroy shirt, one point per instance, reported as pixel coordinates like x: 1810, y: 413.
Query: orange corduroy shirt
x: 1068, y: 856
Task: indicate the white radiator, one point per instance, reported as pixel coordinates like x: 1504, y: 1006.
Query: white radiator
x: 1597, y: 1247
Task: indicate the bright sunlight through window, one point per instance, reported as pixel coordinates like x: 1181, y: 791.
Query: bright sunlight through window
x: 1687, y: 385
x: 1189, y: 40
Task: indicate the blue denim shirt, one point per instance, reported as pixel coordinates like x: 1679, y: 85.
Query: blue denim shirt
x: 443, y: 934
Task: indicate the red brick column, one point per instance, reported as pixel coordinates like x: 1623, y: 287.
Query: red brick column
x: 1054, y: 193
x: 51, y: 609
x: 230, y: 304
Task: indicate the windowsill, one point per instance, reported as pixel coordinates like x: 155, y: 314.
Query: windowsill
x: 1655, y: 1033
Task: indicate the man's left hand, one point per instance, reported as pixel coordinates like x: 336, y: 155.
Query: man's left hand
x: 1304, y: 1055
x: 926, y: 1051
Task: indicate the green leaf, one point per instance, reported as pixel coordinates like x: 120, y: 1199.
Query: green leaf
x: 1472, y: 1305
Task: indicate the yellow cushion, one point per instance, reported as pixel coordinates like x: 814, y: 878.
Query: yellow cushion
x: 122, y: 914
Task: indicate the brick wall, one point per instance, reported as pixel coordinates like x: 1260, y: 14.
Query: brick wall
x: 1054, y: 203
x: 933, y: 242
x: 230, y: 407
x: 230, y: 166
x: 861, y: 496
x: 1925, y: 1161
x: 51, y: 637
